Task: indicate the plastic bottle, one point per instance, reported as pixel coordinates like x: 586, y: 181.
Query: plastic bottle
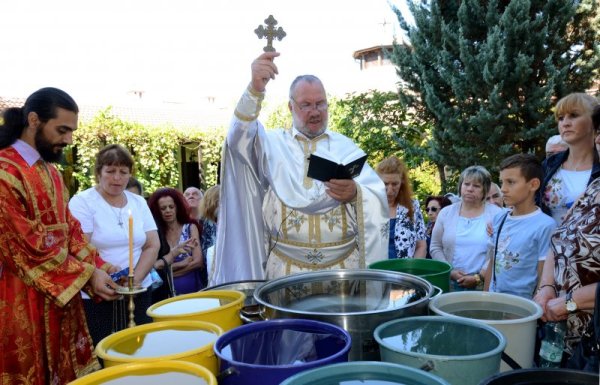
x: 553, y: 344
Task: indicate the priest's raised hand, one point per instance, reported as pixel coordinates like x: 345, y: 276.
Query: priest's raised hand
x: 263, y: 70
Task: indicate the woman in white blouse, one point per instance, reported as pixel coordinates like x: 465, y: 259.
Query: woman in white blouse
x: 462, y: 230
x: 104, y: 211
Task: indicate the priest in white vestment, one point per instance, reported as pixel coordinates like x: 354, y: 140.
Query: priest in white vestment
x: 274, y: 220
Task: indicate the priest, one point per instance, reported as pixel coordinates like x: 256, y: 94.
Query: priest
x: 274, y: 220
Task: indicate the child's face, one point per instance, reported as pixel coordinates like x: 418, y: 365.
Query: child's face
x: 515, y: 188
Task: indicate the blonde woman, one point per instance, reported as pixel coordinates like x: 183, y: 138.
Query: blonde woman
x: 461, y: 232
x: 568, y: 173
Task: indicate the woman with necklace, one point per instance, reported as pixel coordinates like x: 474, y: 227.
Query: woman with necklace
x: 179, y: 241
x: 568, y: 173
x: 462, y: 230
x: 103, y: 211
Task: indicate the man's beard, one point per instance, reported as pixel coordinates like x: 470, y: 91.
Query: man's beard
x: 300, y: 126
x: 45, y: 148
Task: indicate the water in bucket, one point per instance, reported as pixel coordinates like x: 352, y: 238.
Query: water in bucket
x: 162, y: 342
x: 486, y: 310
x: 329, y: 303
x: 343, y: 380
x: 440, y: 339
x: 158, y: 379
x: 190, y: 305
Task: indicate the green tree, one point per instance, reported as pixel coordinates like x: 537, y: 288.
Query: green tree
x: 486, y: 73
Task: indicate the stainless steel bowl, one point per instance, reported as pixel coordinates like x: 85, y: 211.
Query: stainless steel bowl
x: 356, y: 300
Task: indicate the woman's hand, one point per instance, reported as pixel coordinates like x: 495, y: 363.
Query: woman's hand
x: 542, y: 297
x: 456, y: 274
x: 556, y: 310
x: 184, y: 247
x: 467, y: 281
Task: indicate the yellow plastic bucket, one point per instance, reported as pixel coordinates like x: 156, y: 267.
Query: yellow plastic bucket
x: 221, y: 307
x: 151, y: 373
x: 190, y: 341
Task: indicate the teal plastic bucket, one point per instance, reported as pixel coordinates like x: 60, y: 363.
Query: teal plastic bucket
x: 436, y: 272
x: 458, y: 350
x: 365, y: 373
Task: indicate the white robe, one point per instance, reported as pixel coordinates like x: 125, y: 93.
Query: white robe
x: 257, y: 163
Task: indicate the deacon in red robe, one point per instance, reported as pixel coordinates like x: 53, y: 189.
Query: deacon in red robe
x: 44, y: 258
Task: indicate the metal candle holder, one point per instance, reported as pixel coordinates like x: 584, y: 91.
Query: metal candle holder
x: 130, y: 291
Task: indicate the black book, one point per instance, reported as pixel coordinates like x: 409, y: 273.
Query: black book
x: 324, y: 169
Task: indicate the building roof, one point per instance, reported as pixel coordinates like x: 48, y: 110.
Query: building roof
x: 376, y: 48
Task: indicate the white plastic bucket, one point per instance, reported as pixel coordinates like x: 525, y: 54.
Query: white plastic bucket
x: 514, y: 316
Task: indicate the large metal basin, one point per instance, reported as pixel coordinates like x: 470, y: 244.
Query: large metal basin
x: 356, y: 300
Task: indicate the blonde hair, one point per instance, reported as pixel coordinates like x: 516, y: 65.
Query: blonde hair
x: 394, y: 165
x: 478, y: 174
x: 577, y: 101
x: 209, y: 205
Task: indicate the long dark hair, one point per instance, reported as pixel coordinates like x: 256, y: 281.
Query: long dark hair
x: 44, y: 103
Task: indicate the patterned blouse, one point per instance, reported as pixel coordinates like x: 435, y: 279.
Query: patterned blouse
x: 576, y: 247
x: 407, y: 232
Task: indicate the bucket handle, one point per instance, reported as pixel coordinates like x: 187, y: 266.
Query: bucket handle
x: 510, y: 361
x: 428, y: 366
x: 252, y: 316
x: 226, y: 373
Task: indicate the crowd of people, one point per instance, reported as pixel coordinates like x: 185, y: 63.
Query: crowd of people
x: 534, y: 234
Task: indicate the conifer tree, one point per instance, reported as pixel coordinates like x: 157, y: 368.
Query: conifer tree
x: 487, y: 74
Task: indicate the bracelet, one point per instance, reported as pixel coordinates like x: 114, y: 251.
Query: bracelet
x: 549, y: 285
x: 477, y: 278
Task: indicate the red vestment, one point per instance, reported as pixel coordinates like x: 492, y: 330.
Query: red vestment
x: 44, y: 263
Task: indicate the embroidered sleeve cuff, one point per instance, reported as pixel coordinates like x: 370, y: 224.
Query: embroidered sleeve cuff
x: 248, y: 108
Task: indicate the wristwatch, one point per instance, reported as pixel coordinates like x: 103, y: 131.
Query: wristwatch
x: 570, y: 303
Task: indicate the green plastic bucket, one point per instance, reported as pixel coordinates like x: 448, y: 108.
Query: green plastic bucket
x: 365, y: 373
x: 458, y: 350
x: 436, y: 272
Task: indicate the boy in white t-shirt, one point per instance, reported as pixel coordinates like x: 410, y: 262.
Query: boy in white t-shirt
x: 521, y: 237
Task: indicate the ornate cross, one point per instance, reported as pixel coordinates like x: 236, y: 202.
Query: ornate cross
x: 270, y: 33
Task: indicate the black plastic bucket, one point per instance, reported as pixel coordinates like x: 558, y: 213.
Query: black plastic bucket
x: 546, y: 376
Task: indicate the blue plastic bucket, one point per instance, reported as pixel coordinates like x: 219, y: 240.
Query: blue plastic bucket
x: 365, y: 372
x: 269, y: 352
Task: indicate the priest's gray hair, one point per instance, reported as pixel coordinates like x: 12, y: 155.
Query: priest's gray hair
x: 304, y: 78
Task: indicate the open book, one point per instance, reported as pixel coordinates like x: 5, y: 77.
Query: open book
x: 324, y: 169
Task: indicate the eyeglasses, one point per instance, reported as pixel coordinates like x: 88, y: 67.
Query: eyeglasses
x: 432, y: 209
x: 305, y: 107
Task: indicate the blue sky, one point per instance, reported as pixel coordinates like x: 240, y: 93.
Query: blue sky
x: 178, y: 50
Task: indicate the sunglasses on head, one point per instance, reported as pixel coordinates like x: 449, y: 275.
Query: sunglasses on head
x: 432, y: 209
